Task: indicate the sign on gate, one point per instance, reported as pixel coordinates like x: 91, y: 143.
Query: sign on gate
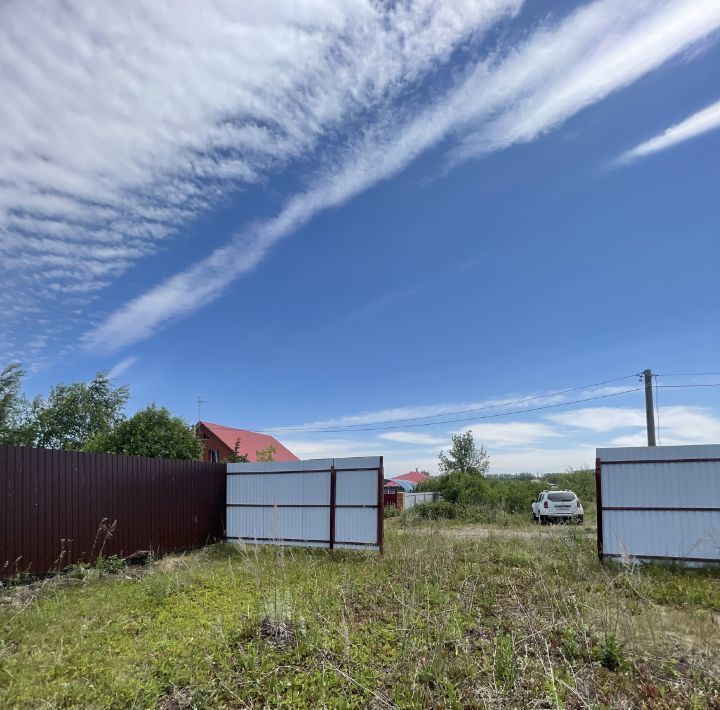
x: 333, y: 503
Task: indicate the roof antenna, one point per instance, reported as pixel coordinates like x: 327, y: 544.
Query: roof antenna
x: 200, y: 401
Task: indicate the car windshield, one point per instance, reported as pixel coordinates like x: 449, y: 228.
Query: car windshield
x: 561, y: 497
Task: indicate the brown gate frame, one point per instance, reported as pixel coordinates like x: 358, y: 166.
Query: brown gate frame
x: 333, y: 505
x: 600, y: 508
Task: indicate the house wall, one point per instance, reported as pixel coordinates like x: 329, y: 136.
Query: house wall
x: 213, y: 443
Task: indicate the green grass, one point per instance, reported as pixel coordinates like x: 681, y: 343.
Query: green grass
x: 437, y: 621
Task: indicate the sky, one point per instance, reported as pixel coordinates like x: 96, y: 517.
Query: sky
x: 367, y: 226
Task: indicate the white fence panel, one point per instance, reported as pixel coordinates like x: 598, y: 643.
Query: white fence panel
x: 316, y: 503
x: 413, y: 499
x: 659, y: 502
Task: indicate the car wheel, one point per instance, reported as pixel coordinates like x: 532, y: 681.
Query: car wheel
x: 543, y: 520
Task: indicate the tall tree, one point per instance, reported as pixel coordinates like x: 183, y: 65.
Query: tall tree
x: 75, y: 413
x: 464, y: 456
x: 153, y: 432
x: 13, y: 406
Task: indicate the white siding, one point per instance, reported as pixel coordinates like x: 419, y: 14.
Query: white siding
x: 675, y: 477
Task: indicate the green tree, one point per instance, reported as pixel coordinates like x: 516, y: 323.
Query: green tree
x: 266, y: 454
x: 464, y: 456
x: 236, y: 456
x: 14, y: 407
x: 75, y: 413
x: 153, y: 432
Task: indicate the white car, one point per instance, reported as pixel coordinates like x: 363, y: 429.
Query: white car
x: 559, y: 506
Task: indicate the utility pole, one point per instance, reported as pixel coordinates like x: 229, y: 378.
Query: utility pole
x: 649, y: 410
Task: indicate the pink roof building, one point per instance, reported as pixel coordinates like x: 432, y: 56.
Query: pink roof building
x: 413, y: 477
x: 219, y: 442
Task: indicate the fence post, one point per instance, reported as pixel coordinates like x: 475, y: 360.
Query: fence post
x: 333, y: 504
x: 599, y: 507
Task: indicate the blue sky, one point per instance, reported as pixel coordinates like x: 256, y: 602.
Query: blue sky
x: 346, y: 216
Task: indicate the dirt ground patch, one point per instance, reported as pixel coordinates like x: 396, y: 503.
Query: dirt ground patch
x: 479, y: 532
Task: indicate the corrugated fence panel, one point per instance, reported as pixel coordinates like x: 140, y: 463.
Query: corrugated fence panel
x: 315, y: 503
x: 672, y: 484
x: 356, y: 525
x: 659, y: 502
x: 410, y: 500
x: 356, y: 487
x: 59, y: 507
x: 662, y: 533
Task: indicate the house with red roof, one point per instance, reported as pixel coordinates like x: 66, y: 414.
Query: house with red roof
x: 219, y: 442
x: 413, y: 477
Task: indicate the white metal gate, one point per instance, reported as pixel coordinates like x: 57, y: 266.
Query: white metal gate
x: 659, y: 502
x: 334, y: 503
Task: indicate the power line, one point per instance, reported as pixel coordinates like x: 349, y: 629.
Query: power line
x: 507, y: 403
x: 468, y: 419
x: 687, y: 374
x: 700, y: 384
x: 395, y: 423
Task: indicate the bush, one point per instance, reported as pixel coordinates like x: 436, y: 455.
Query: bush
x: 581, y: 482
x: 480, y: 497
x: 611, y: 653
x: 391, y: 511
x: 470, y: 490
x: 438, y: 510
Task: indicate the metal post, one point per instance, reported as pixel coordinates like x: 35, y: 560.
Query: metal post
x: 599, y: 507
x: 333, y: 504
x: 649, y: 410
x: 381, y: 507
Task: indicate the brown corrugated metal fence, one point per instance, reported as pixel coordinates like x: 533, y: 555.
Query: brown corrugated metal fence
x: 53, y: 503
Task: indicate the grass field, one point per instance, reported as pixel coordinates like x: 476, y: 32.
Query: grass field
x: 441, y: 620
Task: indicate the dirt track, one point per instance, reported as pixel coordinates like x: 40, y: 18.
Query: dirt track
x: 470, y: 532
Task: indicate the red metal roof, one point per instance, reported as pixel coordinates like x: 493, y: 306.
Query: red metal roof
x: 250, y: 441
x: 413, y: 477
x: 392, y: 484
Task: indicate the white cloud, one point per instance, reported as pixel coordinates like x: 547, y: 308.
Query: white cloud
x: 123, y: 122
x: 701, y: 122
x: 529, y: 90
x: 600, y: 419
x: 408, y: 437
x: 407, y: 415
x: 329, y: 446
x: 601, y: 48
x: 511, y: 434
x: 543, y: 460
x: 689, y: 425
x: 679, y: 424
x: 119, y: 368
